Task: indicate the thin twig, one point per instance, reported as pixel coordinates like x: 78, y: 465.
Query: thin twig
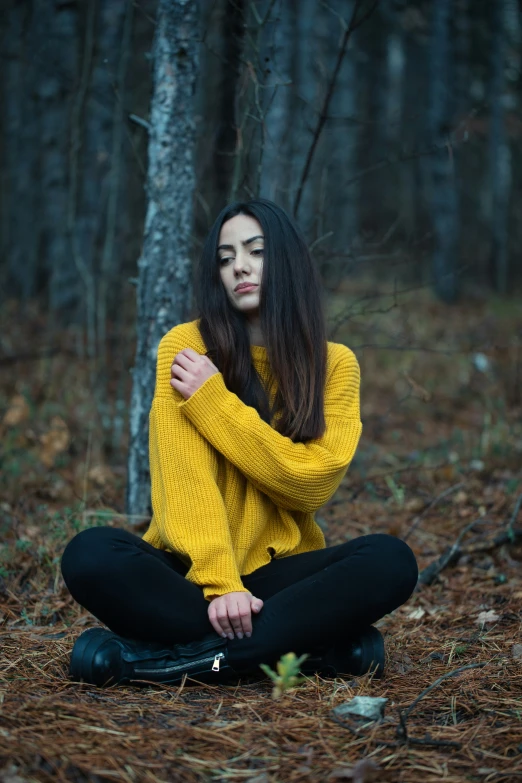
x: 406, y: 739
x: 26, y: 357
x: 513, y: 519
x: 140, y: 121
x: 402, y: 730
x: 449, y: 556
x: 328, y: 97
x: 405, y: 156
x: 430, y: 506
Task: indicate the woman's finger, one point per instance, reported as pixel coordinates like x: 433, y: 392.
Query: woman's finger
x: 234, y: 615
x: 214, y: 621
x: 215, y: 625
x: 178, y: 372
x: 244, y: 614
x: 223, y: 619
x: 236, y: 621
x: 246, y: 619
x: 256, y: 604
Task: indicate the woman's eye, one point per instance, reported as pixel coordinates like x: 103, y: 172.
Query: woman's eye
x: 258, y: 250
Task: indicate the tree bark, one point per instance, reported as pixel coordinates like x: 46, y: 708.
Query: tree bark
x: 339, y: 204
x: 307, y: 103
x: 500, y: 153
x: 58, y: 28
x: 164, y: 290
x: 232, y: 34
x: 441, y: 168
x: 279, y: 56
x: 19, y: 145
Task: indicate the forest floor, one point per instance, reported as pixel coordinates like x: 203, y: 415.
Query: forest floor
x: 439, y: 465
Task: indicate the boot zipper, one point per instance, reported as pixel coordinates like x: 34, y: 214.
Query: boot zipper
x: 215, y: 666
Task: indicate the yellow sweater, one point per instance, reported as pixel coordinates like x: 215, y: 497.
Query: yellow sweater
x: 227, y: 490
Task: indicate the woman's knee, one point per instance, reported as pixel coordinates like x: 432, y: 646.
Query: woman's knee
x: 397, y: 553
x: 83, y: 555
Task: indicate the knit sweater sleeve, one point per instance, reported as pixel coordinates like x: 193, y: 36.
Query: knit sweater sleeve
x: 187, y: 504
x: 296, y: 476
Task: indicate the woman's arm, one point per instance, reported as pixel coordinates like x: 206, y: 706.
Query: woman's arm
x: 188, y: 507
x: 296, y: 476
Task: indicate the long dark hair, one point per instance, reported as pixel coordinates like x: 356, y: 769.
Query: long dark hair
x: 292, y: 321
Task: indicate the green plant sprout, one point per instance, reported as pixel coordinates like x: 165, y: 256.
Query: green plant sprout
x: 396, y: 490
x: 286, y: 676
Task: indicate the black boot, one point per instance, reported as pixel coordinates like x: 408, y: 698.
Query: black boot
x: 363, y: 653
x: 101, y: 657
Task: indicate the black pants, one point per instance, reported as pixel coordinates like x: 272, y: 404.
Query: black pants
x: 311, y: 599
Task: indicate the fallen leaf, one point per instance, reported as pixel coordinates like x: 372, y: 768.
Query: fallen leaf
x: 445, y: 473
x: 17, y: 412
x: 58, y: 489
x: 416, y: 614
x: 418, y: 390
x: 415, y: 504
x: 487, y: 617
x: 342, y: 772
x: 100, y: 474
x: 364, y: 771
x: 54, y: 441
x: 403, y: 663
x: 9, y: 775
x: 32, y: 532
x: 460, y: 497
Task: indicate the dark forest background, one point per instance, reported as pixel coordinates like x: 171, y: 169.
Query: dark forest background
x: 389, y: 129
x: 418, y: 149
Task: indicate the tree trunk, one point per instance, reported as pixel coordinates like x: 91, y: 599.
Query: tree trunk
x: 440, y: 166
x: 232, y: 35
x: 20, y: 134
x: 500, y: 153
x: 98, y: 156
x: 275, y: 175
x: 338, y: 202
x: 306, y: 106
x: 58, y: 28
x: 164, y: 283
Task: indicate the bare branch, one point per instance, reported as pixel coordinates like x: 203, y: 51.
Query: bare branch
x: 402, y: 731
x: 140, y: 121
x: 514, y: 517
x: 354, y: 23
x: 450, y: 555
x: 428, y: 508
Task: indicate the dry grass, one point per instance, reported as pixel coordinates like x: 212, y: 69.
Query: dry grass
x: 468, y: 727
x: 461, y: 634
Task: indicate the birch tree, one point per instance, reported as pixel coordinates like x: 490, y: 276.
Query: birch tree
x: 164, y: 290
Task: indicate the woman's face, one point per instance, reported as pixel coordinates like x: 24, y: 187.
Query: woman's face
x: 240, y: 253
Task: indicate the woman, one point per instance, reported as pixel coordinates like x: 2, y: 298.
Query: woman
x: 254, y: 422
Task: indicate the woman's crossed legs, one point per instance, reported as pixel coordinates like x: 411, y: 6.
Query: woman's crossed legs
x: 310, y: 600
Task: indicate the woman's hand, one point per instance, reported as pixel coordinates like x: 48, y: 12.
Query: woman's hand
x: 189, y: 371
x: 232, y: 612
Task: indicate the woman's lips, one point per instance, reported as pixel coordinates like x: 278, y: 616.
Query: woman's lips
x: 245, y: 289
